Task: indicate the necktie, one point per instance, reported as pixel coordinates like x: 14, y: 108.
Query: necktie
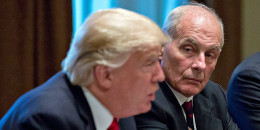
x: 114, y: 125
x: 187, y: 106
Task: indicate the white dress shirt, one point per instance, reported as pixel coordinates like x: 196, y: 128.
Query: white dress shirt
x: 181, y: 99
x: 102, y: 116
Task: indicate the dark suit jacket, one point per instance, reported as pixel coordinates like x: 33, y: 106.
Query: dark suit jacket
x: 55, y: 105
x: 210, y: 110
x: 244, y: 94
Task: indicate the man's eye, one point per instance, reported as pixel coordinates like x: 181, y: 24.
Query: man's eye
x: 150, y: 62
x: 209, y: 55
x: 188, y: 49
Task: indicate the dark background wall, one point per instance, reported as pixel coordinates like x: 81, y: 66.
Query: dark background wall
x: 34, y: 38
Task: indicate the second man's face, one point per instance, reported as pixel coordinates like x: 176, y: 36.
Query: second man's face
x: 191, y: 58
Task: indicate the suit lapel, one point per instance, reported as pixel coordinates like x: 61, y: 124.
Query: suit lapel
x: 175, y: 109
x: 203, y: 114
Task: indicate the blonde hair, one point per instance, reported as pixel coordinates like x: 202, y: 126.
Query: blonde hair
x: 109, y: 37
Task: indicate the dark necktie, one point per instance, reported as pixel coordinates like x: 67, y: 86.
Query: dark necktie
x: 114, y: 125
x: 187, y: 106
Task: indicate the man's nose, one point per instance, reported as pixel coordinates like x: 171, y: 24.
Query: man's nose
x: 199, y: 63
x: 158, y: 73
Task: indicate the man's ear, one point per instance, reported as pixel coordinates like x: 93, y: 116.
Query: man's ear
x: 161, y: 54
x: 102, y: 76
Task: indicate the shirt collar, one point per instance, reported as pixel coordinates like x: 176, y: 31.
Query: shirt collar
x: 102, y: 117
x: 180, y: 97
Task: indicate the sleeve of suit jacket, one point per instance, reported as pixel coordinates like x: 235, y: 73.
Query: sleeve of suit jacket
x: 244, y: 97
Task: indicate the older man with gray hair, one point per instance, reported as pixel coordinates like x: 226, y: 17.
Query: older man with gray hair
x: 111, y: 72
x: 187, y: 99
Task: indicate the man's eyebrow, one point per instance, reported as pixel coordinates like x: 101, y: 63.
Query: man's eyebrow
x: 191, y: 40
x: 218, y: 48
x: 152, y: 55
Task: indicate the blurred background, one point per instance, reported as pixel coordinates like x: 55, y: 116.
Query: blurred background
x: 35, y: 36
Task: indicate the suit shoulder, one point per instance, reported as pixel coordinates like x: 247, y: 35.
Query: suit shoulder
x: 48, y: 98
x: 212, y: 87
x: 214, y: 92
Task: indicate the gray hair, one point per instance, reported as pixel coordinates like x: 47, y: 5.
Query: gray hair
x: 174, y: 18
x: 109, y: 37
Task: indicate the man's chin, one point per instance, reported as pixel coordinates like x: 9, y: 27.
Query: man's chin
x: 191, y: 91
x: 146, y: 108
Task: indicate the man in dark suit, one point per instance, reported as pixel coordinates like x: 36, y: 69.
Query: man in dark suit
x: 111, y: 72
x: 187, y: 99
x: 244, y: 94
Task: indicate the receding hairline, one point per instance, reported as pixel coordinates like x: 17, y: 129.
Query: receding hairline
x: 190, y: 8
